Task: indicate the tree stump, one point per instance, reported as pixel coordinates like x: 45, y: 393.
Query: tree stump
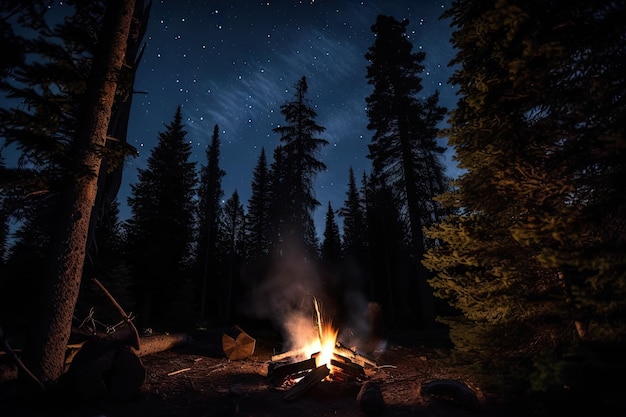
x: 237, y: 344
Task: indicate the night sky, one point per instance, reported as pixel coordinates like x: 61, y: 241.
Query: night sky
x: 234, y: 63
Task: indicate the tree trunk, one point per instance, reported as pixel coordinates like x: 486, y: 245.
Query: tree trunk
x: 46, y: 350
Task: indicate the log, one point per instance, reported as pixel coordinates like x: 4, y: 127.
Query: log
x: 354, y: 357
x: 281, y: 372
x: 308, y: 381
x: 349, y: 369
x: 161, y: 342
x: 288, y: 354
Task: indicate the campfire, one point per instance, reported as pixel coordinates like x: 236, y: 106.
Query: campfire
x: 319, y: 357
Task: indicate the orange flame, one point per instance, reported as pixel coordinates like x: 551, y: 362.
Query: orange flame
x: 324, y: 345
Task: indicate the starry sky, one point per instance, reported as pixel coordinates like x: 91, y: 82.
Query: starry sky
x: 235, y: 62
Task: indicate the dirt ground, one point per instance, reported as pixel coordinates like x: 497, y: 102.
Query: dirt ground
x: 198, y: 380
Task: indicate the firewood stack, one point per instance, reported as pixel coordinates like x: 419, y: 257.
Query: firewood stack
x: 298, y: 377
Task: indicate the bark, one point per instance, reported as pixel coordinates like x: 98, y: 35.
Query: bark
x: 46, y: 351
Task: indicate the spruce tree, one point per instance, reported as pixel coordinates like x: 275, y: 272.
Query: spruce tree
x: 4, y: 218
x: 258, y: 210
x: 210, y: 195
x: 404, y: 150
x: 232, y: 226
x: 299, y: 165
x: 162, y: 225
x: 389, y: 257
x: 21, y: 15
x: 330, y: 250
x: 354, y: 230
x: 534, y: 253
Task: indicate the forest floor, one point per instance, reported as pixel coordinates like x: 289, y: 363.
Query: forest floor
x: 199, y: 380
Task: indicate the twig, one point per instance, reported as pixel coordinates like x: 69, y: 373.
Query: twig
x: 119, y: 308
x: 179, y: 371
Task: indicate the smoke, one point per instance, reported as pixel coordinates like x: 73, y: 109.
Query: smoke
x: 287, y: 295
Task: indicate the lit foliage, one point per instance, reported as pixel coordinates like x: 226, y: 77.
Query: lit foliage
x: 539, y: 239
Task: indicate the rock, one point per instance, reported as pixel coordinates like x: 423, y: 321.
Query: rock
x: 453, y: 391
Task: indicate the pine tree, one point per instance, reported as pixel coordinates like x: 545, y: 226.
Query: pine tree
x: 29, y: 15
x: 534, y: 251
x: 330, y: 251
x: 210, y: 195
x: 4, y: 218
x: 78, y: 153
x: 232, y: 226
x: 354, y: 230
x: 389, y: 256
x: 70, y: 77
x: 404, y: 151
x: 161, y: 228
x: 299, y: 164
x: 258, y: 210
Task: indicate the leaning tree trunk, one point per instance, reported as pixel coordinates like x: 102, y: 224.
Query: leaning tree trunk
x: 45, y: 352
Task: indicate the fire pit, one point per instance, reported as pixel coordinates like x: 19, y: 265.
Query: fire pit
x: 322, y: 358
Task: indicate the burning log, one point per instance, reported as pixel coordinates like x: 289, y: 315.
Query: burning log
x: 288, y: 354
x: 279, y: 373
x: 308, y: 381
x: 342, y: 367
x: 339, y: 350
x: 354, y: 357
x: 346, y: 370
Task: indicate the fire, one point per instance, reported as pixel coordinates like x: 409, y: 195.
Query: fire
x: 323, y: 346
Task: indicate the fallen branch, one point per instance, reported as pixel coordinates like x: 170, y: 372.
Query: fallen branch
x: 125, y: 317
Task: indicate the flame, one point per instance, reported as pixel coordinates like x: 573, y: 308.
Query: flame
x: 324, y: 345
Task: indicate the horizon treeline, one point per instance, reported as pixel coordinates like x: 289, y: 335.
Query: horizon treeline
x: 520, y: 259
x: 183, y: 259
